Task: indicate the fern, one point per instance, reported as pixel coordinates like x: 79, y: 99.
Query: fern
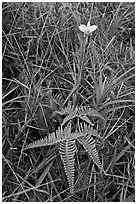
x: 67, y: 151
x: 61, y: 136
x: 70, y: 109
x: 86, y: 119
x: 51, y: 139
x: 81, y: 112
x: 87, y: 129
x: 84, y: 134
x: 57, y: 137
x: 57, y: 98
x: 67, y: 146
x: 90, y: 146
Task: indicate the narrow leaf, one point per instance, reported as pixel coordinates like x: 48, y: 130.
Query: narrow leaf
x: 69, y: 117
x: 67, y: 151
x: 51, y: 139
x: 89, y: 144
x: 130, y: 198
x: 86, y: 119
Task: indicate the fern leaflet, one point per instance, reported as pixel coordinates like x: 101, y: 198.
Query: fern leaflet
x: 67, y: 110
x: 56, y: 137
x: 58, y: 99
x: 89, y: 145
x: 51, y: 139
x: 67, y: 151
x: 82, y: 110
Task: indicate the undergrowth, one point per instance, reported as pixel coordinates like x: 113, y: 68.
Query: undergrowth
x: 58, y: 83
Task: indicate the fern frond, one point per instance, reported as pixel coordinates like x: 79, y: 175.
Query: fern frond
x: 67, y: 110
x: 88, y: 129
x: 67, y: 146
x: 67, y: 151
x: 83, y: 110
x: 51, y: 139
x: 58, y: 99
x: 89, y: 145
x: 69, y: 117
x: 67, y: 130
x: 86, y: 119
x: 45, y: 102
x: 56, y: 137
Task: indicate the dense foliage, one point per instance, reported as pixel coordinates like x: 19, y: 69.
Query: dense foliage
x: 50, y: 83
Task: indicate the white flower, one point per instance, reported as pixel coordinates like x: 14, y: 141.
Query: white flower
x: 87, y: 29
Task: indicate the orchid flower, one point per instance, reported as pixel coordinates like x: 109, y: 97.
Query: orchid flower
x: 87, y: 29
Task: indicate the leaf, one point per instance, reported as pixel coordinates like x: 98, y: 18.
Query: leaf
x: 116, y: 158
x: 69, y: 117
x: 89, y: 144
x: 58, y: 99
x: 67, y: 110
x: 87, y: 129
x: 115, y: 82
x: 108, y: 87
x: 115, y: 102
x: 75, y: 135
x: 75, y: 86
x: 43, y: 175
x: 51, y: 139
x: 121, y: 153
x: 82, y: 110
x: 130, y: 198
x: 67, y: 147
x: 104, y: 112
x: 67, y: 151
x: 86, y: 119
x: 98, y: 91
x: 55, y: 137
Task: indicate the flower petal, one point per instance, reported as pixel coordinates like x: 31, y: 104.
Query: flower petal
x: 83, y: 28
x: 92, y: 28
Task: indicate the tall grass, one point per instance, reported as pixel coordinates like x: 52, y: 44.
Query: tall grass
x: 40, y: 67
